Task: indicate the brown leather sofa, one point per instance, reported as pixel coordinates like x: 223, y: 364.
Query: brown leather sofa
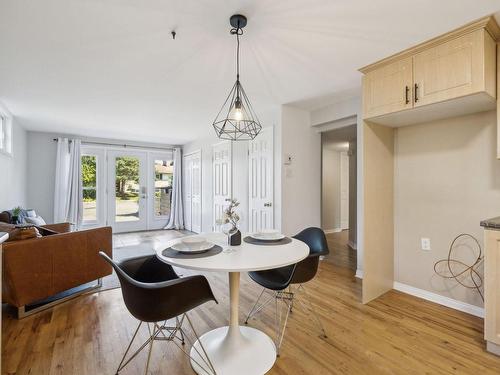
x: 37, y: 268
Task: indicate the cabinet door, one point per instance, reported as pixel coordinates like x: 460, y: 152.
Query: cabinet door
x: 491, y: 287
x: 452, y: 69
x: 388, y: 89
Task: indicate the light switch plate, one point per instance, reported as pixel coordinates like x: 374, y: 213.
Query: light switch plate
x: 426, y: 244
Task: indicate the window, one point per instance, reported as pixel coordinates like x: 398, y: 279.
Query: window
x: 164, y: 172
x: 89, y: 187
x: 5, y: 134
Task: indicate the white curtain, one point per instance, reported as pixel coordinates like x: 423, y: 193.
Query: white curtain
x: 176, y: 211
x: 68, y: 205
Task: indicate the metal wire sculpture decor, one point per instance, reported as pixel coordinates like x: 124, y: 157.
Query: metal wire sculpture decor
x: 467, y: 275
x: 236, y: 119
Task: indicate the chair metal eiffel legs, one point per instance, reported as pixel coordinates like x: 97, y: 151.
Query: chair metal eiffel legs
x: 175, y: 334
x: 287, y: 299
x: 312, y: 309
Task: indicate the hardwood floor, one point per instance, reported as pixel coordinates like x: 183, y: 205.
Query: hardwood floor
x: 396, y: 334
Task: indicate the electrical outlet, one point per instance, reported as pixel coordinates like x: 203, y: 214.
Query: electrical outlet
x: 426, y: 244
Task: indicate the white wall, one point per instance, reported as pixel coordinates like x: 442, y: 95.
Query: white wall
x: 337, y: 111
x: 446, y: 180
x: 330, y: 202
x: 353, y: 199
x: 13, y: 180
x: 301, y: 180
x: 42, y: 168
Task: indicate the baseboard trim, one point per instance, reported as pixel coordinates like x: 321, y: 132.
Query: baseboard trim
x: 439, y: 299
x: 352, y: 245
x: 359, y: 274
x: 335, y: 230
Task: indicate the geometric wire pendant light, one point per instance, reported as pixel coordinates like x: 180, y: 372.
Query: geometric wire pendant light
x: 236, y: 119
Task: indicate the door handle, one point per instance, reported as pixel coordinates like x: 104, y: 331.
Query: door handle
x: 416, y: 92
x: 268, y: 204
x: 407, y: 94
x: 228, y: 199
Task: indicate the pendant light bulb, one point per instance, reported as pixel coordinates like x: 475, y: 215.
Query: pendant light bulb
x: 237, y: 112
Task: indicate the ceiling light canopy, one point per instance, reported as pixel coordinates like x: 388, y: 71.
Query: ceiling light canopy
x: 236, y: 119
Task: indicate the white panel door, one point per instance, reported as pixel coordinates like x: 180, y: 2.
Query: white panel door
x: 261, y: 181
x: 344, y: 190
x: 127, y: 190
x: 196, y: 192
x: 187, y: 192
x: 222, y: 180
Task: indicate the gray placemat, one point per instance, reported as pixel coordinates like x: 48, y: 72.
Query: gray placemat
x: 255, y: 241
x: 171, y: 253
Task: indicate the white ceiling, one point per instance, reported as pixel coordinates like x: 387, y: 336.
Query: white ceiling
x: 110, y: 67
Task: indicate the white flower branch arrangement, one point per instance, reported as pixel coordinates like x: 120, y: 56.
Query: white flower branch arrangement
x: 230, y: 214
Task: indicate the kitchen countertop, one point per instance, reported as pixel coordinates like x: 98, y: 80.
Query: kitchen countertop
x: 491, y: 223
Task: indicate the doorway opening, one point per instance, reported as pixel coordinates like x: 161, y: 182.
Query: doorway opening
x: 339, y: 190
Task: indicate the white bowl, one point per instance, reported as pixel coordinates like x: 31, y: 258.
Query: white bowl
x: 268, y: 235
x: 194, y: 241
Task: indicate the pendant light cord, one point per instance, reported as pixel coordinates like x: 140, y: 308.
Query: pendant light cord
x: 237, y: 31
x: 238, y: 54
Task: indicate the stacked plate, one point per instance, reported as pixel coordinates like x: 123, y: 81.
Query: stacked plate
x: 193, y: 245
x: 268, y: 235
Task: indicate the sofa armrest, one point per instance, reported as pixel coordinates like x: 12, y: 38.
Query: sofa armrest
x: 59, y: 227
x: 38, y: 268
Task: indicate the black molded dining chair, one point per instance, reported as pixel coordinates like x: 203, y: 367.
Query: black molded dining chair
x: 153, y: 293
x: 279, y: 279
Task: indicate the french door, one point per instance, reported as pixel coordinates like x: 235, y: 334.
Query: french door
x: 127, y: 190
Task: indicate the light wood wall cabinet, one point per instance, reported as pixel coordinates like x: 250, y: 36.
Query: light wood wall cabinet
x: 451, y: 75
x: 389, y: 88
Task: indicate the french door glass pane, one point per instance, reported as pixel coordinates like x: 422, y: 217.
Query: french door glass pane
x: 127, y: 188
x: 89, y: 183
x: 164, y: 170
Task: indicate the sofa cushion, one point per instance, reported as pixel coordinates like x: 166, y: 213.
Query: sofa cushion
x: 5, y: 217
x: 36, y: 220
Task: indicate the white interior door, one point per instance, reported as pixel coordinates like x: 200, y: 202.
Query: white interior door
x: 196, y: 192
x: 127, y: 190
x: 187, y: 191
x: 344, y: 190
x: 222, y: 180
x: 261, y: 181
x: 192, y: 191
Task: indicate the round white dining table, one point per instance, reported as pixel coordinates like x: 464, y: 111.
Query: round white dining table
x: 236, y: 349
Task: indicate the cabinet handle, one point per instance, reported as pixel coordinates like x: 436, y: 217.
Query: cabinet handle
x: 407, y: 95
x: 416, y: 92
